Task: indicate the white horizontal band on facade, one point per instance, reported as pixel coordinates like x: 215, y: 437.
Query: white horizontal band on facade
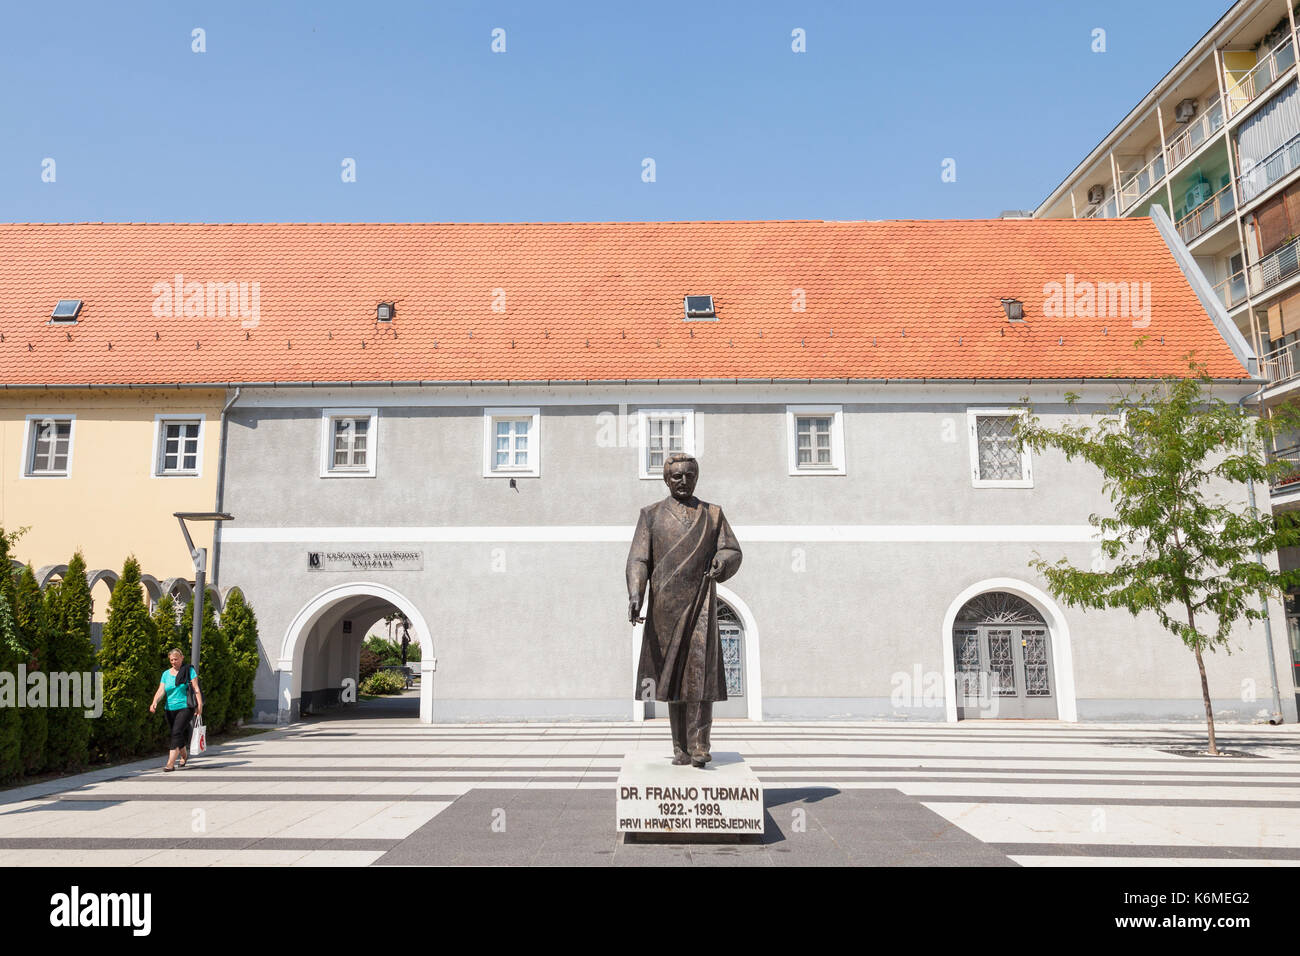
x: 634, y: 394
x: 585, y: 534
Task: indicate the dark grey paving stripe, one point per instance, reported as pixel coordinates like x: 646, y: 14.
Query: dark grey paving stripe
x: 253, y: 777
x: 1106, y: 801
x: 786, y: 755
x: 575, y: 828
x: 863, y: 768
x: 1036, y: 771
x: 193, y: 843
x: 262, y: 797
x: 255, y: 767
x: 1171, y: 852
x: 766, y: 777
x: 1027, y: 781
x: 1161, y: 739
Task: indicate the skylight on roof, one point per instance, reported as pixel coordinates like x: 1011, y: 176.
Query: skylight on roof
x: 66, y: 311
x: 699, y: 307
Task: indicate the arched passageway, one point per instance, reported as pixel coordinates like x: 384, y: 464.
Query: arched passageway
x: 321, y: 649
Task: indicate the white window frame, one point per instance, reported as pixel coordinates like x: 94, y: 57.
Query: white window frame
x: 792, y: 415
x: 29, y: 444
x: 327, y: 418
x: 534, y: 467
x: 643, y: 418
x: 160, y: 421
x: 1026, y: 479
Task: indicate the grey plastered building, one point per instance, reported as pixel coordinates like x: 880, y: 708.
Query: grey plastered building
x: 477, y: 457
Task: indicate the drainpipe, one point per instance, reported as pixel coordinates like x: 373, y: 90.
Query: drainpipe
x: 221, y: 488
x: 1263, y: 601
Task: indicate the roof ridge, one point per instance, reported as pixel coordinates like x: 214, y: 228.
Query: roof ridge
x: 1076, y: 223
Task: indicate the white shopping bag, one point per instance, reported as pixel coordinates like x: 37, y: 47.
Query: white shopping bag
x: 198, y: 738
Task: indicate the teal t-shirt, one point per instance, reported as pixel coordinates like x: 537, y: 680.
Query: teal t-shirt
x: 176, y: 689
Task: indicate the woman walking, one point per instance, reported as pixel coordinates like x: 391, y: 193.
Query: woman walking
x: 180, y: 684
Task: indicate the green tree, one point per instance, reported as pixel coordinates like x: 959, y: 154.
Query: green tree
x: 128, y: 658
x: 11, y: 656
x: 11, y: 723
x: 389, y: 652
x: 71, y: 652
x: 239, y: 624
x: 1180, y: 549
x: 33, y: 632
x: 216, y: 669
x: 169, y: 635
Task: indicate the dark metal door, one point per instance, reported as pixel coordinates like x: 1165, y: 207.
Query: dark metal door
x: 1004, y: 670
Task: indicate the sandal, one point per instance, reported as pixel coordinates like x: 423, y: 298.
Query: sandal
x: 168, y: 769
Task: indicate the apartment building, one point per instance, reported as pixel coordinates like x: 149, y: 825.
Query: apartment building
x: 1216, y: 145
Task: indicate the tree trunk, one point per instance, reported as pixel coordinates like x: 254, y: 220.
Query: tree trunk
x: 1205, y: 695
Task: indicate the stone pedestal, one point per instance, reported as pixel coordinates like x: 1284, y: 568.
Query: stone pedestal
x: 722, y: 799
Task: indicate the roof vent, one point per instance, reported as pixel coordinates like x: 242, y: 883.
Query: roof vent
x: 384, y: 312
x: 1015, y: 310
x: 66, y: 311
x: 699, y: 307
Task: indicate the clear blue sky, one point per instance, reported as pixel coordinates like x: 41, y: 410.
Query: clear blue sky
x: 556, y: 128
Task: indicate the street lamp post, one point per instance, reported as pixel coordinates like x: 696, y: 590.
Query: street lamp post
x: 200, y: 558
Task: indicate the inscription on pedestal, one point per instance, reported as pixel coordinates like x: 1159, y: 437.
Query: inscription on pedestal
x: 653, y: 796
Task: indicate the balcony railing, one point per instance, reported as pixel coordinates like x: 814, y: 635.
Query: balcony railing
x: 1137, y: 185
x: 1281, y: 364
x: 1232, y: 290
x: 1277, y: 266
x: 1288, y: 479
x: 1207, y: 215
x: 1196, y: 133
x: 1106, y: 210
x: 1261, y: 76
x: 1257, y: 176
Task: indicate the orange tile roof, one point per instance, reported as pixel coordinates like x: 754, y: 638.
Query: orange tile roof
x: 592, y: 301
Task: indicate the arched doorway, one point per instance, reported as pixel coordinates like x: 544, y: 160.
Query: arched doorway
x: 740, y: 655
x: 1007, y: 655
x: 322, y: 644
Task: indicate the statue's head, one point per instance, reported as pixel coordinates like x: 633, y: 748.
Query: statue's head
x: 681, y: 472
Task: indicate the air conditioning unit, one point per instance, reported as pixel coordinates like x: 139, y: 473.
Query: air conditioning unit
x: 1096, y: 194
x: 1185, y: 110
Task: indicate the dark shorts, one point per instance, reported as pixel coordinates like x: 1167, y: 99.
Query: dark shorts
x: 180, y: 722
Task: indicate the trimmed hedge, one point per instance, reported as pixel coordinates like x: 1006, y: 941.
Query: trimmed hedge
x: 33, y: 632
x: 216, y: 669
x: 239, y: 624
x: 49, y: 631
x: 127, y: 659
x: 71, y: 651
x: 384, y: 682
x: 11, y: 722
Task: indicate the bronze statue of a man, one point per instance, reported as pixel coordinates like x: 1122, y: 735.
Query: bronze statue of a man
x: 682, y: 547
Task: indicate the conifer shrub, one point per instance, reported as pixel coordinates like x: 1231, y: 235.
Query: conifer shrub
x: 71, y: 652
x: 239, y: 624
x: 128, y: 658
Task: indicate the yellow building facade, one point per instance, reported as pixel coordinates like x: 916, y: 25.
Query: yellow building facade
x: 104, y: 470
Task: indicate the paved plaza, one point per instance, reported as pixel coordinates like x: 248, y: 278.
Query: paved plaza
x: 385, y: 790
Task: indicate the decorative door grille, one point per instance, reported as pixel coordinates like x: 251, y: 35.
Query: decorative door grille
x: 1037, y: 681
x: 733, y: 655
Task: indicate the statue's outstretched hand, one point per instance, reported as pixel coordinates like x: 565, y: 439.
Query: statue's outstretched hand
x: 634, y: 605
